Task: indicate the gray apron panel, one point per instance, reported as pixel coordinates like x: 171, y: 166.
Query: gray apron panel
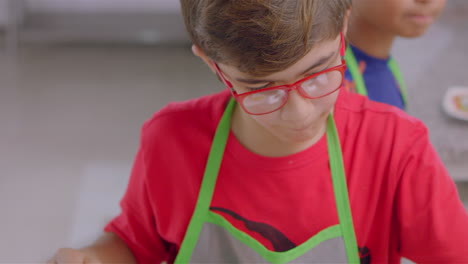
x: 217, y: 246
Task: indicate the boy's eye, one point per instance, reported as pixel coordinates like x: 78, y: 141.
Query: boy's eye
x: 257, y: 88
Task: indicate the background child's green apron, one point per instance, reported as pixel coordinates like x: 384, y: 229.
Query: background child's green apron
x: 353, y: 67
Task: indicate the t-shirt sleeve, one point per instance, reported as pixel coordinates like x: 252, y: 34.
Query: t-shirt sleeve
x: 136, y: 224
x: 432, y: 221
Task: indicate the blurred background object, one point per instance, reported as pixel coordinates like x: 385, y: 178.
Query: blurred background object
x: 141, y: 21
x: 11, y: 17
x: 79, y: 78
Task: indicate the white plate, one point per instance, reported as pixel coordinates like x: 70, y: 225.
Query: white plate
x: 455, y: 102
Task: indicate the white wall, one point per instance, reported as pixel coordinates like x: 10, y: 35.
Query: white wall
x: 5, y: 11
x: 89, y: 6
x: 103, y: 5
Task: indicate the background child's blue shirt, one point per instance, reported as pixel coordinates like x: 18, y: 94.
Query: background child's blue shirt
x: 381, y: 85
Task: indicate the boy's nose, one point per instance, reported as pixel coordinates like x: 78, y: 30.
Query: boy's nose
x: 297, y: 108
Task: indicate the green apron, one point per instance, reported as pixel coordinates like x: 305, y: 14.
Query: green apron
x: 212, y: 239
x: 353, y: 67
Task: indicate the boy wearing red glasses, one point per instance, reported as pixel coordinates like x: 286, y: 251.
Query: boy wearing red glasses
x: 283, y: 166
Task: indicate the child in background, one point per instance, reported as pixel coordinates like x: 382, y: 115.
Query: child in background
x: 373, y: 27
x: 282, y: 166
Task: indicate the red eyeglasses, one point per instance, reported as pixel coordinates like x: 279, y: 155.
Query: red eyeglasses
x: 268, y: 100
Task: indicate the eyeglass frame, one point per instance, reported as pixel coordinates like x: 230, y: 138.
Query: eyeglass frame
x: 287, y: 87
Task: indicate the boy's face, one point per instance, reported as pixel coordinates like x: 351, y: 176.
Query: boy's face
x: 300, y: 119
x: 405, y: 18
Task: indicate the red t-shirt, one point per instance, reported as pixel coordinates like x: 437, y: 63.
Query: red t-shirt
x: 402, y: 199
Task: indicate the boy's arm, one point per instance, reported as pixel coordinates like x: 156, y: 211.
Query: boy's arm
x: 432, y: 221
x: 109, y: 248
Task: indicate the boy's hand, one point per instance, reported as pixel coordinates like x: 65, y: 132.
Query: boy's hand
x: 72, y: 256
x: 108, y: 248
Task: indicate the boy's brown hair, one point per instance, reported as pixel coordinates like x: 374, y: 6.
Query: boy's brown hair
x: 260, y: 37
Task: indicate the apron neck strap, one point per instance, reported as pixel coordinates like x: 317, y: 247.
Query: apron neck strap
x: 205, y: 195
x: 340, y: 189
x: 215, y: 157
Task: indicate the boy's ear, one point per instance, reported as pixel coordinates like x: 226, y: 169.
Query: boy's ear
x: 199, y: 53
x: 346, y: 21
